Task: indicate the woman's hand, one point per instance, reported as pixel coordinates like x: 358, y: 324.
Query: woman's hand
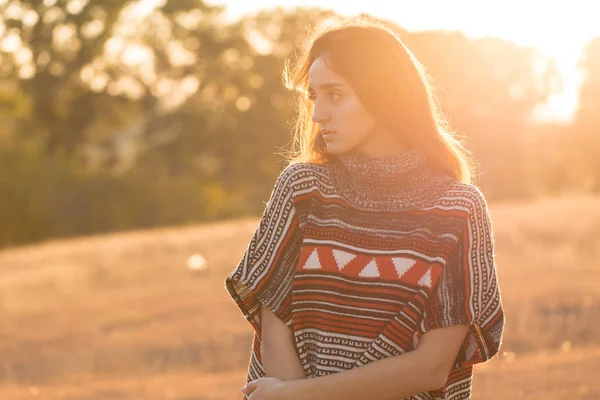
x: 264, y: 389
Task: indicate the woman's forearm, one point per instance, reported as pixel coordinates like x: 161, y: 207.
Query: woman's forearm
x: 278, y: 349
x: 388, y: 379
x: 281, y: 361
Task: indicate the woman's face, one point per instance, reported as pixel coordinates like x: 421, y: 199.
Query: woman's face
x: 344, y: 122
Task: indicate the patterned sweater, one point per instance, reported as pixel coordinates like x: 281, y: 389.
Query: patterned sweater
x: 360, y: 256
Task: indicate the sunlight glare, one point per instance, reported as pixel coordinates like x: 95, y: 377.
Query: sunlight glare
x: 143, y: 8
x: 30, y: 18
x: 134, y: 54
x: 559, y: 30
x: 74, y: 7
x: 13, y: 11
x: 11, y: 43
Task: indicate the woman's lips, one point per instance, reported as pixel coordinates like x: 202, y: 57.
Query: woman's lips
x: 325, y: 132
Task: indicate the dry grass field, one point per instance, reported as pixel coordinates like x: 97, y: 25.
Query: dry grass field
x: 122, y: 316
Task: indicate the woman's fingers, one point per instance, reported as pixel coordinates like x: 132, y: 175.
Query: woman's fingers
x: 250, y: 387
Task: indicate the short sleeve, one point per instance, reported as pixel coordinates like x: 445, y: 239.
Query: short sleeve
x: 266, y: 270
x: 468, y: 291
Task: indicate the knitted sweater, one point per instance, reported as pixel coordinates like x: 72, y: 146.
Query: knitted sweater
x: 361, y: 256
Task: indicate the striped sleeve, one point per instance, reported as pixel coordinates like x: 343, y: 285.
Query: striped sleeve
x: 266, y: 270
x: 468, y: 291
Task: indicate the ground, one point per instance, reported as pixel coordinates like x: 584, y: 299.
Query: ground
x: 121, y: 316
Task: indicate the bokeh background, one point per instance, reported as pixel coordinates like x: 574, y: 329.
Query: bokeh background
x: 139, y: 141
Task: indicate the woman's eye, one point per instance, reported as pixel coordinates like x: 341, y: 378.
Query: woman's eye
x: 333, y: 96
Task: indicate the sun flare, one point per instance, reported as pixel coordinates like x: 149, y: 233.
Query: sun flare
x: 559, y: 29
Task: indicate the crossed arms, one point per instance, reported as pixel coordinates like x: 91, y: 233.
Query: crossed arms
x: 423, y: 369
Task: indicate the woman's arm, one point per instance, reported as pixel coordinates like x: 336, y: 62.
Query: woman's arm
x: 278, y: 351
x: 423, y: 369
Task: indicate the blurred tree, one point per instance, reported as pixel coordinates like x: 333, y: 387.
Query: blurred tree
x: 489, y: 89
x: 589, y: 96
x: 91, y: 80
x: 90, y: 67
x: 267, y: 124
x: 585, y: 140
x: 181, y: 113
x: 48, y: 44
x: 232, y: 129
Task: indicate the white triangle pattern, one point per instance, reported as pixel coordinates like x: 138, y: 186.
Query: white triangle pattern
x: 342, y: 258
x: 313, y: 261
x: 426, y: 279
x: 403, y: 264
x: 371, y: 270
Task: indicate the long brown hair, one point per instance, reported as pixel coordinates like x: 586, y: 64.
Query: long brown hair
x: 390, y: 82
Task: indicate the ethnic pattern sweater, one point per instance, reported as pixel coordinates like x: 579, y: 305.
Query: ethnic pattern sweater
x: 360, y: 256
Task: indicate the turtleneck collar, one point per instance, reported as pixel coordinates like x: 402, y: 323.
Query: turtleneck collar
x: 384, y: 170
x: 398, y: 182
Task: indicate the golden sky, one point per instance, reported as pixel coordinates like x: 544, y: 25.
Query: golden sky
x: 558, y: 28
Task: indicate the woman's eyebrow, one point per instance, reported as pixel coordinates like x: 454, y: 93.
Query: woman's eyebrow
x: 327, y: 86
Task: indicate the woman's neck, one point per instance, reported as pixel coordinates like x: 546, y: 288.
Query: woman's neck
x: 383, y: 142
x: 400, y: 181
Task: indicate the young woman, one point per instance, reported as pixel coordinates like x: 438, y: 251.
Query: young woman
x: 371, y: 274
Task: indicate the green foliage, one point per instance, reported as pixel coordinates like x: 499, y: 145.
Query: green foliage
x: 117, y: 120
x: 54, y: 196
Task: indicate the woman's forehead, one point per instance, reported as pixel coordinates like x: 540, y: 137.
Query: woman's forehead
x: 319, y: 75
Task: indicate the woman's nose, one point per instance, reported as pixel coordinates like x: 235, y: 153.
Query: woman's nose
x: 320, y: 113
